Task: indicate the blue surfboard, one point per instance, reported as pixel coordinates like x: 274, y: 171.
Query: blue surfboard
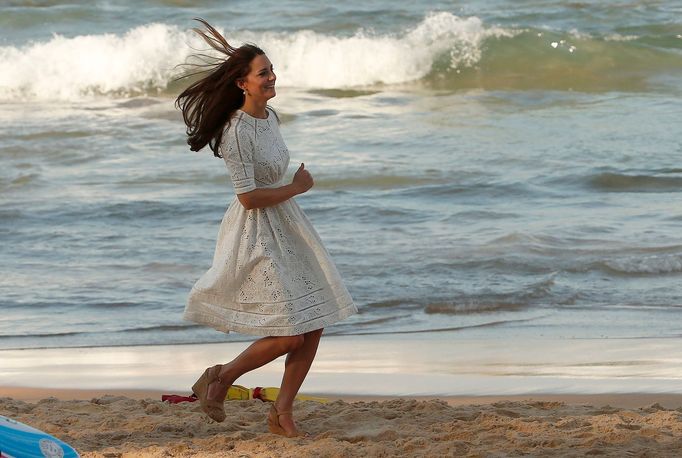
x: 18, y: 440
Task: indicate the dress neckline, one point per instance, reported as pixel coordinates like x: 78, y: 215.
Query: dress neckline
x: 253, y: 117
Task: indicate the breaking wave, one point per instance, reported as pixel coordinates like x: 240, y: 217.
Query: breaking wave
x: 442, y: 51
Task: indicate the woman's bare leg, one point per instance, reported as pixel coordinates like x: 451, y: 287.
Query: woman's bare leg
x: 296, y: 368
x: 256, y: 355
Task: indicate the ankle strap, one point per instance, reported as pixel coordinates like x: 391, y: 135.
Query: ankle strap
x: 283, y: 412
x: 218, y: 367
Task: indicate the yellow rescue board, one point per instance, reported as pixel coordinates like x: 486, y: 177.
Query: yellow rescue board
x: 238, y: 392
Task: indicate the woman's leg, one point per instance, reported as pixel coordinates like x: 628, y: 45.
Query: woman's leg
x: 296, y: 368
x: 256, y: 355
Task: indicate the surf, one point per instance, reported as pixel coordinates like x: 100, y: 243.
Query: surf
x: 443, y: 51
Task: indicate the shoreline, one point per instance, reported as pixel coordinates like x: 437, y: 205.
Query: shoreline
x: 439, y: 365
x: 620, y: 400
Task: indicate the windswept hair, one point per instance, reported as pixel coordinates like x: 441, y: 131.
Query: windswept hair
x: 208, y: 104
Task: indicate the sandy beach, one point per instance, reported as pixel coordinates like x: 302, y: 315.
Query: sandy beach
x: 138, y: 424
x: 387, y: 396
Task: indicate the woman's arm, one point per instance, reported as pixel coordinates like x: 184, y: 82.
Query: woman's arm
x: 265, y: 197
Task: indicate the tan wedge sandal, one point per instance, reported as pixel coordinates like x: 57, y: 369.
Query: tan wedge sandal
x: 212, y: 408
x: 276, y: 428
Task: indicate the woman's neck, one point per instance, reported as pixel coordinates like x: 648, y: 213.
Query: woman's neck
x: 255, y: 108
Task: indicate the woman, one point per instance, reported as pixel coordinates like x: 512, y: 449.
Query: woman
x: 271, y: 275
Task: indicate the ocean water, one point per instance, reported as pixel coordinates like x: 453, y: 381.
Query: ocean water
x: 504, y: 169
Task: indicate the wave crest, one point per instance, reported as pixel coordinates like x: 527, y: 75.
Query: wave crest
x: 141, y: 61
x: 657, y: 264
x: 442, y: 51
x: 313, y: 60
x: 144, y: 60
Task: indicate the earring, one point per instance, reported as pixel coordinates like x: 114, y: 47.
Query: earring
x: 244, y: 93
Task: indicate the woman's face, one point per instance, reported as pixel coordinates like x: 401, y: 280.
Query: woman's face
x: 260, y: 82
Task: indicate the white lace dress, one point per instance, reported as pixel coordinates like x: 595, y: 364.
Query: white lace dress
x: 271, y: 275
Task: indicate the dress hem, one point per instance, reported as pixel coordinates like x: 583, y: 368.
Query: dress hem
x: 226, y: 326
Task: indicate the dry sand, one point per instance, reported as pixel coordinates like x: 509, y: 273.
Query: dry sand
x: 140, y: 425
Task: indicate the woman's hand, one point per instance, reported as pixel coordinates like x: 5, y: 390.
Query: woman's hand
x: 303, y: 180
x: 265, y: 197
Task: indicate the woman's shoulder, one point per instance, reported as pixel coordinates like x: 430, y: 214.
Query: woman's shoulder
x: 273, y: 113
x: 242, y: 120
x: 239, y: 125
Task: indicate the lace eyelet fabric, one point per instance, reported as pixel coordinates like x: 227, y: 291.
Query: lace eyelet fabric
x: 271, y: 275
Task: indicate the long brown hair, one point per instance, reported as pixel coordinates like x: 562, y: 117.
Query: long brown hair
x: 209, y: 103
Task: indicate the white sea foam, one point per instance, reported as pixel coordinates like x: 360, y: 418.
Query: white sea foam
x: 71, y: 68
x: 658, y: 264
x: 143, y: 60
x: 619, y: 37
x: 309, y: 59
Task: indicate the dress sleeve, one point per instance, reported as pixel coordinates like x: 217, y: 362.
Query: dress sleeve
x: 238, y: 150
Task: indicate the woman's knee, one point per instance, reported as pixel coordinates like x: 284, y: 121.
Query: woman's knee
x: 293, y: 342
